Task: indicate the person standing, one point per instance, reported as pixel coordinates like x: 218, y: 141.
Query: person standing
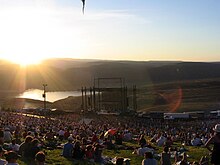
x: 215, y: 156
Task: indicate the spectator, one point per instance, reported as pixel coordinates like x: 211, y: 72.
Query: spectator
x: 119, y: 161
x: 165, y: 157
x: 196, y: 141
x: 183, y: 161
x: 142, y: 150
x: 11, y: 158
x: 13, y: 146
x: 118, y: 138
x: 1, y: 136
x: 49, y: 135
x: 40, y: 158
x: 98, y: 154
x: 215, y: 157
x: 77, y: 151
x: 68, y: 148
x: 142, y: 140
x: 25, y: 147
x: 161, y: 141
x: 204, y: 161
x: 2, y: 151
x: 34, y: 148
x: 127, y: 136
x: 149, y: 160
x: 7, y: 135
x: 88, y: 152
x: 61, y: 133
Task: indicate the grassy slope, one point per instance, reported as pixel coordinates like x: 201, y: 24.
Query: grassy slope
x: 185, y: 96
x: 54, y: 158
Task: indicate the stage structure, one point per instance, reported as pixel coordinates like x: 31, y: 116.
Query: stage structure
x: 109, y: 95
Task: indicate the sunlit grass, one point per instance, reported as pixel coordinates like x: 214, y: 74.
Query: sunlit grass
x: 53, y: 157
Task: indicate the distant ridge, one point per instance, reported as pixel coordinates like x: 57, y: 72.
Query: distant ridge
x: 72, y: 74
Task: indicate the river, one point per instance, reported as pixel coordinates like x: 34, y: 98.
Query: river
x: 36, y: 94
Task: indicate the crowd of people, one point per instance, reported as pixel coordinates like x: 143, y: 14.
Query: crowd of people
x: 26, y: 137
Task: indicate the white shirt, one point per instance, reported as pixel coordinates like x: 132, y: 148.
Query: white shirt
x: 196, y: 141
x: 14, y: 147
x: 7, y: 136
x: 161, y: 141
x: 61, y: 132
x: 141, y: 151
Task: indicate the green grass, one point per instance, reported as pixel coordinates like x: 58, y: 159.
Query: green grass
x: 196, y: 95
x: 53, y: 157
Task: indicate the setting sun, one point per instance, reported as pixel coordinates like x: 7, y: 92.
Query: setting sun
x: 31, y: 34
x: 25, y: 60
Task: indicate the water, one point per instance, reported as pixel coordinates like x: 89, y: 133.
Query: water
x: 36, y: 94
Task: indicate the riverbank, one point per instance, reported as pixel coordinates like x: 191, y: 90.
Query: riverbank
x: 70, y: 103
x: 200, y: 95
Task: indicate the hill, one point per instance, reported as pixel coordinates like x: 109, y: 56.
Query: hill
x: 179, y: 96
x: 162, y: 86
x: 70, y: 74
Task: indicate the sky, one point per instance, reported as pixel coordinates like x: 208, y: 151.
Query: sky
x: 139, y: 30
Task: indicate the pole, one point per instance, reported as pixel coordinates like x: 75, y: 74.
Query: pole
x: 44, y: 96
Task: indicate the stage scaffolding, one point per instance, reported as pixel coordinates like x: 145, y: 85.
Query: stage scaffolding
x: 110, y: 95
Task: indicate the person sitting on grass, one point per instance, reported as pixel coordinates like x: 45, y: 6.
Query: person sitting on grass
x: 118, y: 138
x: 89, y: 152
x: 13, y: 146
x: 204, y: 160
x: 78, y: 153
x: 215, y: 140
x: 97, y: 154
x: 149, y: 160
x: 161, y: 141
x: 2, y: 151
x: 142, y: 141
x: 34, y: 148
x: 11, y: 158
x: 196, y: 141
x: 127, y: 136
x: 120, y: 161
x: 1, y: 135
x: 7, y: 135
x: 165, y: 156
x: 143, y: 149
x: 40, y: 158
x: 184, y: 160
x: 25, y: 147
x: 68, y: 148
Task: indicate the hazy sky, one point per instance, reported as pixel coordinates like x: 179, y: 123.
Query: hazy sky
x: 110, y: 29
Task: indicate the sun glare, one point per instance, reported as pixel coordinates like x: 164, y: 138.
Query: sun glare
x: 30, y: 35
x: 24, y: 60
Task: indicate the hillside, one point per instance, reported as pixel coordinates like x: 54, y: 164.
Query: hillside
x: 70, y: 74
x: 179, y: 96
x: 162, y: 86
